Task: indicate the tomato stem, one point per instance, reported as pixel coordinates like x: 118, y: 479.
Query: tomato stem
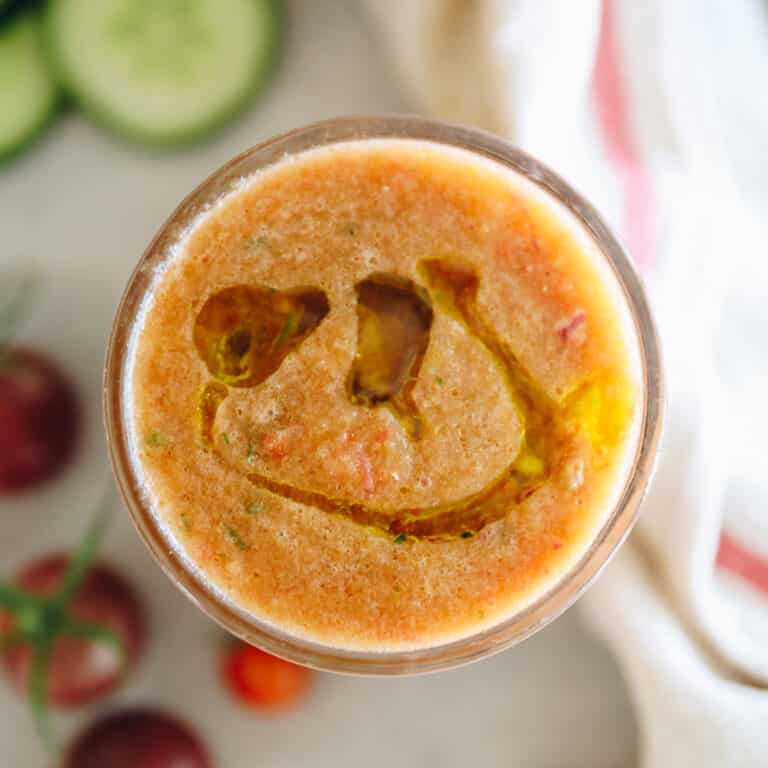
x: 40, y: 620
x: 38, y: 687
x: 85, y: 553
x: 12, y: 312
x: 17, y: 600
x: 96, y: 633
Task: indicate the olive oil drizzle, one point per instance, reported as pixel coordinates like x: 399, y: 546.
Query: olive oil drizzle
x: 453, y: 285
x: 394, y: 318
x: 243, y: 333
x: 210, y: 398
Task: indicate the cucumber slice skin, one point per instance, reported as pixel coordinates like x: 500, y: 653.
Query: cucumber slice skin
x: 11, y: 154
x: 10, y: 9
x: 102, y: 117
x: 48, y: 113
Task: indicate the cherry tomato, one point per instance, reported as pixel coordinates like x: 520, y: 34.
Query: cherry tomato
x: 39, y: 420
x: 81, y: 670
x: 137, y: 738
x: 262, y: 681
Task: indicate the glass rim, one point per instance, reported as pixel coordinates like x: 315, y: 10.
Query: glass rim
x: 570, y: 584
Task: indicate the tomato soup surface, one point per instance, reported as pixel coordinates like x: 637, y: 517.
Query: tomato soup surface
x: 383, y: 394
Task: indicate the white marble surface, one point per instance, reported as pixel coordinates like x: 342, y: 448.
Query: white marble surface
x: 80, y: 208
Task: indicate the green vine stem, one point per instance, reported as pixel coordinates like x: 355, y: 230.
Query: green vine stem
x: 39, y: 621
x: 12, y: 310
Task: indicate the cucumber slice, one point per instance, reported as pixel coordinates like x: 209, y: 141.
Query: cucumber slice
x: 28, y: 94
x: 163, y: 71
x: 9, y: 9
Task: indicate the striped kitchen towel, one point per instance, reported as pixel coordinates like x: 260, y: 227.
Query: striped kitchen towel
x: 658, y: 112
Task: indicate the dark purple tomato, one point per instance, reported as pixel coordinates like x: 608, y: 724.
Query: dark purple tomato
x: 137, y: 738
x: 39, y: 420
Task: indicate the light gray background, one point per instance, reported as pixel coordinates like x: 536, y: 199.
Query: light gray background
x: 81, y: 207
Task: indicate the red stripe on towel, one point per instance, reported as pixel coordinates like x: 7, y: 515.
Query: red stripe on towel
x: 639, y: 208
x: 638, y: 223
x: 736, y: 559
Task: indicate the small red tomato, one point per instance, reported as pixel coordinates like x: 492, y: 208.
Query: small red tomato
x: 80, y: 670
x: 137, y: 738
x: 39, y: 420
x: 262, y: 681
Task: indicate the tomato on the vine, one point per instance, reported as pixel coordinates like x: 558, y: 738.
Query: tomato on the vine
x: 80, y: 669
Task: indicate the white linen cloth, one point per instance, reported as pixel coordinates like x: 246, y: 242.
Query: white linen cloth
x: 658, y: 112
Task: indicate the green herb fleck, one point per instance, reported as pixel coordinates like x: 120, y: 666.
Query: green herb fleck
x: 250, y: 456
x: 236, y: 539
x: 400, y: 538
x: 467, y: 534
x: 440, y: 380
x: 256, y: 243
x: 225, y: 438
x: 289, y: 328
x: 349, y: 228
x: 255, y: 508
x: 156, y: 439
x: 185, y: 521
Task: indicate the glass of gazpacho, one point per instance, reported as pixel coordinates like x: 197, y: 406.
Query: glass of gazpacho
x: 383, y: 395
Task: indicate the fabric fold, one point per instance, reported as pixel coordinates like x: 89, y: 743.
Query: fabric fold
x: 632, y: 103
